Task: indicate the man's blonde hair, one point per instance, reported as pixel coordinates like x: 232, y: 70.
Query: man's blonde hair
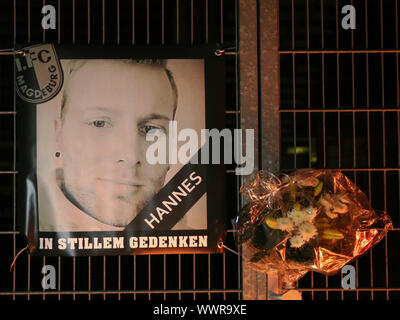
x: 71, y: 66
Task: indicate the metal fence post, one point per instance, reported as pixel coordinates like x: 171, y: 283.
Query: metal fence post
x: 269, y: 88
x: 254, y: 284
x: 260, y: 101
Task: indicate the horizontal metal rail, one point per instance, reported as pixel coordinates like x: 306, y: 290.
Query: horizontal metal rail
x: 336, y: 51
x: 69, y: 292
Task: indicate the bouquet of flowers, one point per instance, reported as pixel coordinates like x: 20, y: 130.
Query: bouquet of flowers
x: 309, y: 220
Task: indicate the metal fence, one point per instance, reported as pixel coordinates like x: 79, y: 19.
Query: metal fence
x: 340, y: 109
x: 135, y: 22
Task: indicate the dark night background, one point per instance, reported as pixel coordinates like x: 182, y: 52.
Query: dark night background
x: 339, y: 109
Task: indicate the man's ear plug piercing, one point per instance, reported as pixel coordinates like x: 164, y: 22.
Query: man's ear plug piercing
x: 58, y: 154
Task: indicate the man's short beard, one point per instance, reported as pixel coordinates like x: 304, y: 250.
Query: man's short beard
x: 139, y: 206
x: 79, y: 203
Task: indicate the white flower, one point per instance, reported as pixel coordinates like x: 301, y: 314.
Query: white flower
x: 297, y: 216
x: 284, y: 224
x: 307, y: 231
x: 296, y: 241
x: 334, y: 204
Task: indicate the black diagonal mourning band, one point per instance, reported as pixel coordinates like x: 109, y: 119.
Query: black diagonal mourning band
x: 173, y: 201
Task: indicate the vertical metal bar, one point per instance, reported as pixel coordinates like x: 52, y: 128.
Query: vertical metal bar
x: 149, y: 274
x: 294, y: 91
x: 177, y: 21
x: 337, y: 25
x: 73, y: 41
x: 381, y: 22
x: 134, y: 277
x: 104, y: 21
x: 58, y: 21
x: 44, y: 263
x: 14, y: 152
x: 180, y: 275
x: 357, y: 279
x: 308, y: 38
x: 194, y: 277
x: 29, y: 276
x: 323, y: 107
x: 162, y: 22
x: 118, y: 23
x: 367, y: 92
x: 269, y: 99
x: 323, y: 82
x: 44, y: 30
x: 239, y: 263
x: 59, y: 277
x: 397, y: 86
x: 353, y: 98
x: 209, y: 276
x: 165, y: 276
x: 15, y: 24
x: 292, y: 21
x: 384, y: 145
x: 89, y: 277
x: 191, y: 22
x: 383, y: 87
x: 73, y: 277
x: 206, y: 21
x: 338, y: 114
x: 148, y: 22
x: 382, y: 67
x: 73, y: 21
x: 254, y: 284
x: 88, y: 26
x: 29, y: 21
x: 224, y: 272
x: 269, y: 84
x: 133, y: 21
x: 119, y: 277
x: 386, y: 241
x: 237, y: 105
x: 308, y: 87
x: 104, y: 277
x: 397, y: 56
x: 309, y: 107
x: 369, y: 139
x: 371, y: 250
x: 338, y: 88
x: 368, y: 125
x: 222, y: 20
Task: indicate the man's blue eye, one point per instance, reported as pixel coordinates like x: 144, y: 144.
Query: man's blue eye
x: 148, y: 129
x: 99, y: 124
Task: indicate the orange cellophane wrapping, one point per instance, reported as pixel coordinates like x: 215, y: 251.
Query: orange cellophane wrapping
x: 343, y: 224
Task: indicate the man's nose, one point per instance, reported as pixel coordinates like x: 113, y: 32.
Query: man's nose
x: 128, y: 150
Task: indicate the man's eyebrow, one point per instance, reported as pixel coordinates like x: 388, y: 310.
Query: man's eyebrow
x: 154, y: 116
x: 106, y: 109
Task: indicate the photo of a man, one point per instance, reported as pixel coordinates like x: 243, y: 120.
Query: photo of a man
x: 98, y: 144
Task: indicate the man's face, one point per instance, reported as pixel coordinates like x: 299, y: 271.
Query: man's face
x: 109, y: 108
